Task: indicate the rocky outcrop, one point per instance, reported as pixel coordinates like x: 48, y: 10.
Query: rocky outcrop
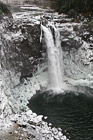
x: 28, y: 125
x: 22, y: 54
x: 77, y: 46
x: 21, y: 48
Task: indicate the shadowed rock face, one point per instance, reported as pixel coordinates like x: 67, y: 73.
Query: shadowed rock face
x: 22, y: 52
x: 28, y: 50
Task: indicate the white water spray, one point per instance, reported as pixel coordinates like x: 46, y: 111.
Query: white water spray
x: 55, y: 57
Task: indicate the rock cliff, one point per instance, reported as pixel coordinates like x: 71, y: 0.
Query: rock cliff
x: 22, y: 54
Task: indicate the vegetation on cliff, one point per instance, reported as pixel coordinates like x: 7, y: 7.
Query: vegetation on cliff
x: 4, y: 9
x: 75, y: 6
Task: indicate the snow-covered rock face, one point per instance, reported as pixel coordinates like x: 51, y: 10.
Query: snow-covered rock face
x: 77, y: 52
x: 5, y: 109
x: 23, y: 55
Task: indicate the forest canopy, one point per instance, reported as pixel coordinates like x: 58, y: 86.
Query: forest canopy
x: 79, y: 6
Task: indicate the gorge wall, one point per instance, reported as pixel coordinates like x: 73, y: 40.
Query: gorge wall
x: 24, y: 65
x: 22, y: 54
x: 23, y: 51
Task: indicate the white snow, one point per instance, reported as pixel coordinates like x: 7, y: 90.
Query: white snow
x: 16, y: 95
x: 32, y: 8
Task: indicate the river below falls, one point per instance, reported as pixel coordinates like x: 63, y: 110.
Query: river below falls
x: 73, y: 113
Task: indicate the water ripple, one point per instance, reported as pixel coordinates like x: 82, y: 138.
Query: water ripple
x: 74, y: 114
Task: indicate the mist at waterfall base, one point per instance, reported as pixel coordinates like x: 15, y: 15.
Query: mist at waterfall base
x: 73, y: 113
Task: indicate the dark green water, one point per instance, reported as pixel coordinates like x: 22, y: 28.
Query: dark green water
x: 74, y: 114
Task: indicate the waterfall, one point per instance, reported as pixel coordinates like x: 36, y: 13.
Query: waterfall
x: 55, y: 57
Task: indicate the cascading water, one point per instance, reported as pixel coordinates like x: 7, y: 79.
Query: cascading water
x: 55, y: 57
